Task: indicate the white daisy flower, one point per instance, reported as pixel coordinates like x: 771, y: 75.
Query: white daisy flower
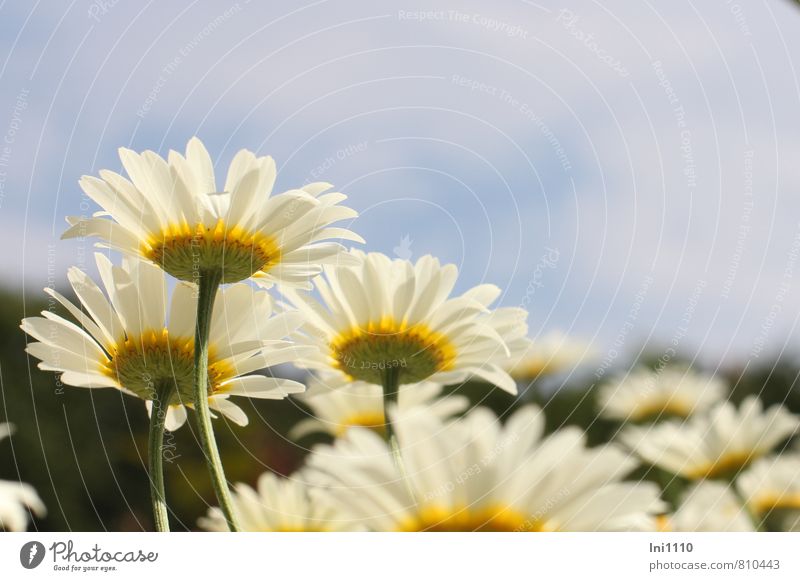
x: 646, y: 394
x: 550, y: 354
x: 771, y: 488
x: 387, y: 315
x: 338, y: 405
x: 709, y: 506
x: 174, y: 214
x: 17, y: 499
x: 511, y: 323
x: 135, y: 339
x: 281, y: 505
x: 475, y: 475
x: 714, y: 444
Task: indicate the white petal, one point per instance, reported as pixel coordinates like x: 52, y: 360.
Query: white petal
x: 229, y: 409
x: 259, y: 386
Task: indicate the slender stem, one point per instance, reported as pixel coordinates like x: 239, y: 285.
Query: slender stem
x: 391, y: 392
x: 158, y: 418
x: 207, y: 290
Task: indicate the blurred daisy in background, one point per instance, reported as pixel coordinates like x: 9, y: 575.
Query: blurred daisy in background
x: 281, y: 505
x: 715, y: 444
x: 132, y: 339
x: 549, y: 355
x: 385, y: 314
x: 17, y: 499
x: 338, y: 405
x: 475, y: 474
x: 709, y: 506
x: 771, y: 488
x: 173, y: 214
x: 646, y: 394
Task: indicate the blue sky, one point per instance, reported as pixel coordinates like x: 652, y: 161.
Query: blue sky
x: 628, y: 171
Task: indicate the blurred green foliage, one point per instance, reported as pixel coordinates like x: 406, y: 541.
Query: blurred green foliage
x: 84, y: 450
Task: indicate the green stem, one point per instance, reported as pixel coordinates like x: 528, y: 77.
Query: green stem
x: 158, y: 418
x: 208, y: 285
x: 391, y: 392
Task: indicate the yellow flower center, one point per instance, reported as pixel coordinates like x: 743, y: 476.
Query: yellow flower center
x: 184, y: 251
x: 663, y: 523
x: 776, y: 501
x: 142, y: 364
x: 662, y: 409
x: 725, y: 466
x: 365, y: 353
x: 374, y: 420
x: 490, y: 519
x: 534, y: 367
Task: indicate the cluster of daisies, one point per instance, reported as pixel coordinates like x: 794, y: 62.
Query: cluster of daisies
x: 733, y: 466
x: 465, y: 470
x: 217, y: 284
